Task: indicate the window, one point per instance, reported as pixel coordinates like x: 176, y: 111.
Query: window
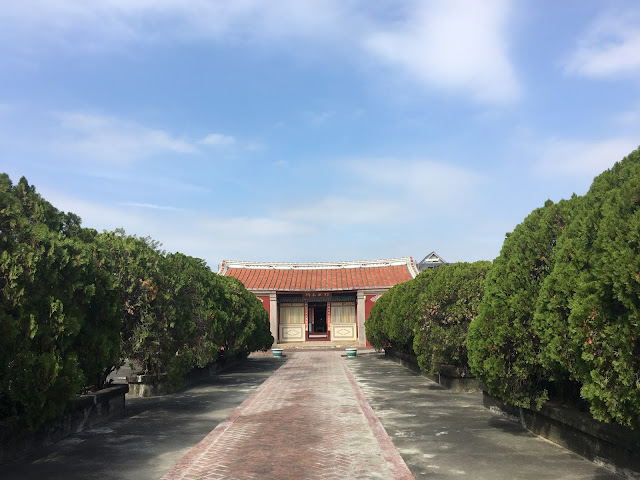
x: 291, y: 314
x: 343, y: 314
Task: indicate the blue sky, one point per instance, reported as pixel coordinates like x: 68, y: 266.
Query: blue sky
x: 316, y: 130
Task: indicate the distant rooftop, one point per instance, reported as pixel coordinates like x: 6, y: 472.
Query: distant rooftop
x: 431, y: 261
x: 320, y: 276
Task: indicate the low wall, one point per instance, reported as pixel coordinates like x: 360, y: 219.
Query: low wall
x: 86, y: 411
x: 154, y: 385
x: 610, y: 445
x: 447, y: 377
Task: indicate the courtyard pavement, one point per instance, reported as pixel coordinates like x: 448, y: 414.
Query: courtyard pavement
x: 445, y: 435
x: 312, y: 415
x: 154, y: 434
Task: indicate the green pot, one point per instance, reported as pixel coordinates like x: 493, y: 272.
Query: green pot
x: 352, y: 352
x: 277, y: 352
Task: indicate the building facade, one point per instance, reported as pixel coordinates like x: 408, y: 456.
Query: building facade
x: 328, y: 302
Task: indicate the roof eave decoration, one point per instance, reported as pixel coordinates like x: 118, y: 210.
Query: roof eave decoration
x: 408, y: 261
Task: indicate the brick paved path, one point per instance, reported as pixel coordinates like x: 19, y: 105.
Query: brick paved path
x: 308, y: 420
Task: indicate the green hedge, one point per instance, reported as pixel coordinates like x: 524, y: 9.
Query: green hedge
x: 375, y: 325
x: 561, y: 310
x: 447, y: 303
x: 588, y: 314
x: 45, y: 285
x: 503, y: 348
x: 392, y: 318
x: 430, y: 314
x: 75, y: 304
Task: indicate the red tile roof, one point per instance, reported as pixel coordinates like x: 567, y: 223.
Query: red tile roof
x: 292, y: 277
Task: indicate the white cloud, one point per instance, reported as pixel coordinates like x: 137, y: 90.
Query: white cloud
x: 100, y: 216
x: 426, y: 182
x: 254, y: 146
x: 113, y: 140
x: 380, y: 212
x: 319, y: 118
x: 337, y: 210
x: 582, y: 158
x: 629, y: 118
x: 194, y: 233
x: 218, y: 140
x: 456, y: 45
x: 255, y: 227
x: 117, y: 22
x: 453, y: 44
x: 152, y: 206
x: 217, y: 238
x: 390, y: 192
x: 610, y: 47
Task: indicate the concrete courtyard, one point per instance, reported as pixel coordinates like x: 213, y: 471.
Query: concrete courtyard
x: 313, y: 414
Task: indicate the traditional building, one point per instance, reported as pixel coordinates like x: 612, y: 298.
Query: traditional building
x: 432, y: 260
x: 327, y: 302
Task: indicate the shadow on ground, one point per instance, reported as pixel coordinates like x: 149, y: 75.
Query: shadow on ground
x: 154, y: 434
x: 446, y: 435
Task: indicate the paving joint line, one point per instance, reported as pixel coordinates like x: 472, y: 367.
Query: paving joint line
x: 179, y: 471
x: 394, y: 460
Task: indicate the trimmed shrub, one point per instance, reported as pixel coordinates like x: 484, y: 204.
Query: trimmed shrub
x: 244, y: 325
x: 176, y: 313
x: 402, y: 315
x: 448, y: 301
x: 588, y: 314
x: 74, y: 304
x: 392, y: 318
x: 374, y: 324
x: 144, y: 298
x: 196, y: 292
x: 44, y: 292
x: 98, y: 342
x: 503, y: 348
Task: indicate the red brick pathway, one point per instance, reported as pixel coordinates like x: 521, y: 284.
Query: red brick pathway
x: 309, y: 420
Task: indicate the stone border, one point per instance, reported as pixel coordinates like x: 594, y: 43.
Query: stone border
x: 447, y: 377
x: 392, y: 457
x: 86, y: 411
x: 155, y: 385
x: 609, y: 445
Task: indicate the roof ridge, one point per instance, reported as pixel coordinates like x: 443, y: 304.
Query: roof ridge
x: 317, y: 265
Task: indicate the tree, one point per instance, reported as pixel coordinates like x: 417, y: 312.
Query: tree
x: 447, y: 303
x: 374, y: 325
x: 198, y: 295
x: 243, y: 322
x: 43, y: 290
x: 588, y: 314
x: 503, y: 347
x: 135, y: 265
x: 391, y: 320
x: 98, y: 342
x: 75, y: 304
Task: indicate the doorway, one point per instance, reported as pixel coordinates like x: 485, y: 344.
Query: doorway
x: 318, y: 326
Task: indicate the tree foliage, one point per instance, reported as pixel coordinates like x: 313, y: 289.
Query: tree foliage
x: 375, y: 324
x: 588, y: 314
x: 448, y: 301
x: 392, y: 318
x: 503, y: 348
x: 430, y: 314
x: 75, y: 304
x: 562, y: 303
x: 43, y: 279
